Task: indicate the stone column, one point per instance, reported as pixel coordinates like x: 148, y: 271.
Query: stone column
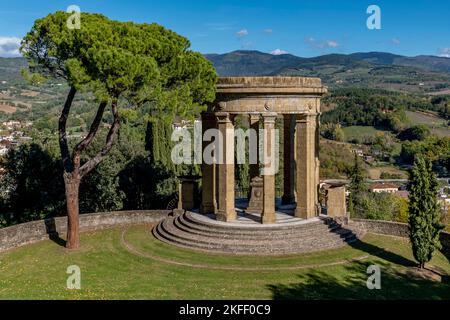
x: 254, y: 125
x: 268, y: 212
x: 226, y: 209
x: 316, y: 157
x: 289, y: 159
x: 208, y: 170
x: 306, y: 167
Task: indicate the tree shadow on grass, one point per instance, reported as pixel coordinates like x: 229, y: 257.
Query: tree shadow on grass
x: 378, y: 251
x: 446, y: 252
x: 50, y: 228
x: 351, y: 283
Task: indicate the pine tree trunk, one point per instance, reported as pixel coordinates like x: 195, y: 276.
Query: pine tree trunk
x: 72, y: 184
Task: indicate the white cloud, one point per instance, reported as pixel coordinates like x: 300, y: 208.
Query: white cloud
x: 9, y: 46
x: 323, y: 44
x: 278, y: 52
x: 445, y: 52
x: 396, y: 41
x: 242, y: 33
x: 331, y: 44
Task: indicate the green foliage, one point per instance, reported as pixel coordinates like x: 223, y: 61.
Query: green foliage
x: 335, y: 159
x: 332, y: 131
x: 424, y: 220
x: 383, y: 206
x: 357, y: 188
x: 367, y: 107
x: 138, y: 62
x: 436, y: 149
x: 418, y: 132
x: 129, y: 178
x: 32, y: 187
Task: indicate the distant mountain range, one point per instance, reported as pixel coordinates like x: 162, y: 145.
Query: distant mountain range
x: 420, y: 74
x: 373, y: 69
x: 259, y: 63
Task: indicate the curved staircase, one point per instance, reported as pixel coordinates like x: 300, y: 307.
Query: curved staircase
x: 190, y: 230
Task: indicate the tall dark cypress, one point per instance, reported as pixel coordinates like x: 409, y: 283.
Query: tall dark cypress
x: 424, y: 220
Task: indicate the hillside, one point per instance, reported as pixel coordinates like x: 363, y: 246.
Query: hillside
x: 422, y: 74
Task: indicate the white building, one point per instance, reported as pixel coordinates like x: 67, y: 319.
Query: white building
x: 383, y: 187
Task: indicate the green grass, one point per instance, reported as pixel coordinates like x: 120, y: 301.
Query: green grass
x: 359, y: 132
x: 141, y: 267
x: 436, y: 124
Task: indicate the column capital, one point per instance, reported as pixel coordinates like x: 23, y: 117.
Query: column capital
x: 254, y: 116
x: 224, y: 117
x: 306, y: 118
x: 269, y: 116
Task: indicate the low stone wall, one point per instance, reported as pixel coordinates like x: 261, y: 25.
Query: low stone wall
x: 394, y: 229
x: 25, y: 233
x: 382, y: 227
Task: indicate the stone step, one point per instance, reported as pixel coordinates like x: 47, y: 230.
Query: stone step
x: 264, y: 250
x: 172, y: 230
x: 200, y: 229
x: 259, y: 235
x: 224, y: 227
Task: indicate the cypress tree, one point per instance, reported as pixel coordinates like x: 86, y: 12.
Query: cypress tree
x: 424, y: 224
x: 356, y: 187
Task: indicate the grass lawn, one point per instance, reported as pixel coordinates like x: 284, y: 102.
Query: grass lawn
x: 358, y: 132
x: 375, y: 172
x: 129, y: 264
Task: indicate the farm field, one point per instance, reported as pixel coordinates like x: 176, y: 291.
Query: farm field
x: 436, y: 124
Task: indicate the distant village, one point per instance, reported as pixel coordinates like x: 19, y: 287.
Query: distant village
x: 12, y: 134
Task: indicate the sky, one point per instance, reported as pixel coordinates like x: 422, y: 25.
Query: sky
x: 304, y: 28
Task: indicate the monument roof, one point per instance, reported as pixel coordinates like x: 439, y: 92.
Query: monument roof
x: 293, y: 85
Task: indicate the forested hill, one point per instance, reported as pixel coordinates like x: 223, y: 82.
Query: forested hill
x: 421, y: 74
x: 426, y: 74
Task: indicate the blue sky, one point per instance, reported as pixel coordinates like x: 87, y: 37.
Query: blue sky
x: 301, y: 27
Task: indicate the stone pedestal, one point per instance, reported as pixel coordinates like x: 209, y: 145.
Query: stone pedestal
x: 256, y: 196
x: 187, y: 189
x: 336, y: 201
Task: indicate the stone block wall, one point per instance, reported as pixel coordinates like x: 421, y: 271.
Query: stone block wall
x: 394, y: 229
x: 25, y: 233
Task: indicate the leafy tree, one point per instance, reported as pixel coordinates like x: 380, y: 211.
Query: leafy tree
x: 437, y: 149
x: 122, y: 64
x: 333, y: 132
x: 357, y: 187
x: 424, y: 224
x: 32, y: 187
x: 418, y: 132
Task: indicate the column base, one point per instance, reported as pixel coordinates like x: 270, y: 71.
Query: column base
x: 207, y: 208
x: 268, y: 218
x: 178, y: 212
x: 226, y: 216
x: 305, y: 213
